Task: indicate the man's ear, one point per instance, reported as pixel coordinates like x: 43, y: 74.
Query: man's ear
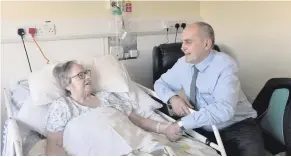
x: 208, y: 44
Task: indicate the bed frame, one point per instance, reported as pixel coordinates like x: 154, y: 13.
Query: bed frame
x: 14, y: 134
x: 16, y: 144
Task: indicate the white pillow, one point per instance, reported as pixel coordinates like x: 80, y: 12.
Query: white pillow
x: 33, y: 116
x: 146, y: 105
x: 110, y: 75
x: 42, y: 85
x: 103, y: 131
x: 20, y: 93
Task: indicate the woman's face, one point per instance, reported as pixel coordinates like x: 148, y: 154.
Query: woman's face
x: 81, y: 83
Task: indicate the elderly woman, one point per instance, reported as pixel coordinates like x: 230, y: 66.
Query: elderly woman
x: 75, y: 80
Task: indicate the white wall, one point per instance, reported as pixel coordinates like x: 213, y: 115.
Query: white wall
x: 15, y: 65
x: 257, y: 34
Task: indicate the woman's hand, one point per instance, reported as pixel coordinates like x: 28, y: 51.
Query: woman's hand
x: 173, y: 131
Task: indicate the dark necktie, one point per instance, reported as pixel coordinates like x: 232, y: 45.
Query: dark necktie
x: 193, y: 87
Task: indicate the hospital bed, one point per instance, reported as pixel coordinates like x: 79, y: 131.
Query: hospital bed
x: 14, y: 139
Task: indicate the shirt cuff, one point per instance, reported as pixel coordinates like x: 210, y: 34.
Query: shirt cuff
x: 188, y: 122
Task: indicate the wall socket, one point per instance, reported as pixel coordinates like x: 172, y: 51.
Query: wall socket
x: 47, y: 28
x: 171, y: 24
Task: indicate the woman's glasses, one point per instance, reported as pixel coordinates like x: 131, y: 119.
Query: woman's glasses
x: 83, y: 74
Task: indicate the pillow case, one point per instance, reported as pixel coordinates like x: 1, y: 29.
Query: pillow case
x: 20, y: 93
x: 103, y: 131
x: 110, y: 75
x: 42, y: 85
x: 33, y: 116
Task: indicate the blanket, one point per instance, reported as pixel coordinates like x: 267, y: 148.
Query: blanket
x: 108, y: 132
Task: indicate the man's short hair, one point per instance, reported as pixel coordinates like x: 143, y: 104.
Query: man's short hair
x: 207, y: 30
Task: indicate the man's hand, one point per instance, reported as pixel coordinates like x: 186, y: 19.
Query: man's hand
x: 173, y: 132
x: 179, y: 106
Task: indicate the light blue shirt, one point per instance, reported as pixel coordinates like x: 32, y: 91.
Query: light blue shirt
x: 220, y: 100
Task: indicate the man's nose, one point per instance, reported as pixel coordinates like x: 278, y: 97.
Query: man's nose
x: 183, y: 48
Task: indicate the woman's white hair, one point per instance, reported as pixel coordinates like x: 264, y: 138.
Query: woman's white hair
x: 61, y: 72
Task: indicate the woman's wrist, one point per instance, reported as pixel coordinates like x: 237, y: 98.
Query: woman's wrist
x: 163, y: 127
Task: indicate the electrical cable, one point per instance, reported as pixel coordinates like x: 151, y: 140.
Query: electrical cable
x: 21, y: 33
x: 26, y: 53
x: 176, y: 35
x: 47, y: 60
x: 177, y: 26
x: 167, y: 37
x: 32, y: 32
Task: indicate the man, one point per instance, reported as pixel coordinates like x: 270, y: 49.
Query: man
x: 211, y: 84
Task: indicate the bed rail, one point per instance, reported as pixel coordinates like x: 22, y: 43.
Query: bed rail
x: 219, y: 146
x: 13, y: 128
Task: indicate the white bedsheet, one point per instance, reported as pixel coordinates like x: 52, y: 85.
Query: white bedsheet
x: 106, y: 131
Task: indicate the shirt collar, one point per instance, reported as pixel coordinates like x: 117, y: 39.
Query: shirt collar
x: 205, y: 63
